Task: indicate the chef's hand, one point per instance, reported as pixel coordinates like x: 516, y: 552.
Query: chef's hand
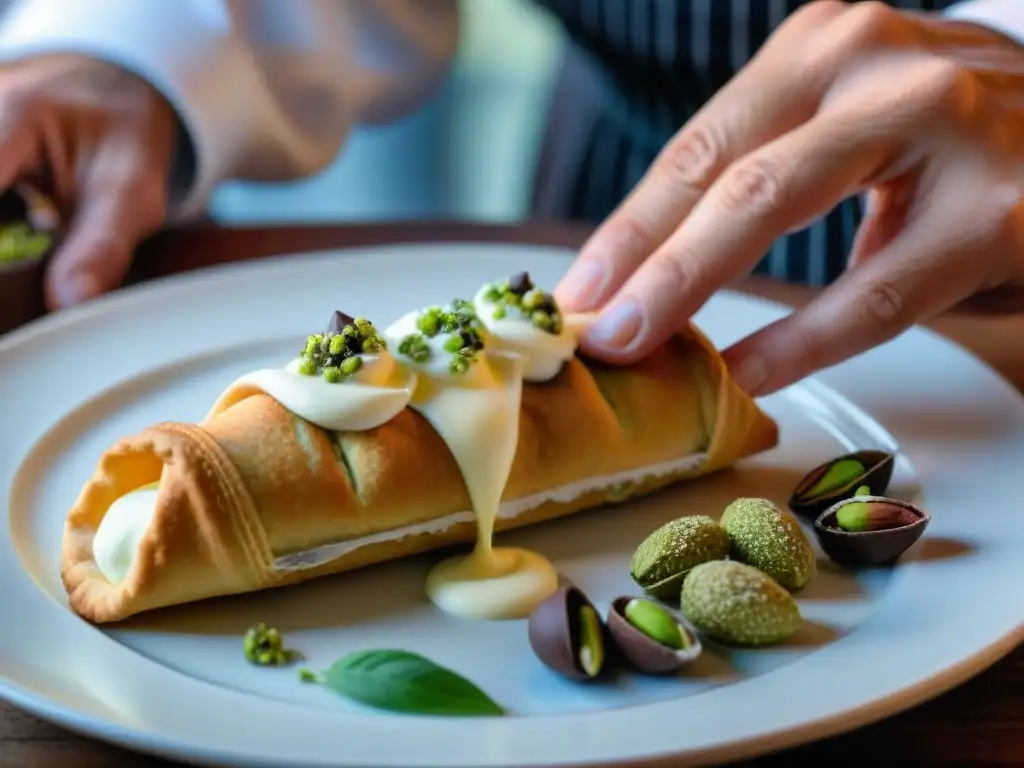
x: 924, y: 114
x: 97, y: 141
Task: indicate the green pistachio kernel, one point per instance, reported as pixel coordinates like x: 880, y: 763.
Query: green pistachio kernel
x: 429, y: 322
x: 453, y: 343
x: 499, y: 313
x: 374, y: 344
x: 415, y: 347
x: 337, y: 344
x: 332, y: 374
x: 307, y: 366
x: 533, y: 299
x: 464, y: 308
x: 459, y: 364
x: 350, y: 365
x: 655, y: 622
x: 541, y: 320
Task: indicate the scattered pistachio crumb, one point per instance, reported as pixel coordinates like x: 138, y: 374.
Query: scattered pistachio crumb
x: 264, y: 646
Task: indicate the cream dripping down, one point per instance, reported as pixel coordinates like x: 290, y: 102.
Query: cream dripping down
x: 475, y: 410
x: 469, y: 391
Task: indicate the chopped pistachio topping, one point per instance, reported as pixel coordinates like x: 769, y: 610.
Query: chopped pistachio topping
x: 518, y: 293
x: 20, y: 241
x: 335, y: 354
x: 460, y: 327
x: 264, y: 647
x: 415, y: 347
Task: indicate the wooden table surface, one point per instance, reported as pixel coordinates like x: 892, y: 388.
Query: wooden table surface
x: 980, y: 723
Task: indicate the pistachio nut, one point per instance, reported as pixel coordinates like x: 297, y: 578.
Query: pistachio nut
x: 663, y: 559
x: 869, y: 531
x: 839, y: 478
x: 735, y: 603
x: 650, y: 637
x: 566, y: 633
x: 771, y: 540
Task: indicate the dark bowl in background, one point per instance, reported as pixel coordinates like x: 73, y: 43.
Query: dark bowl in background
x: 21, y: 281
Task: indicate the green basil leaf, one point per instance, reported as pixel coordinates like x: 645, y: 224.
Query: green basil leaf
x: 406, y: 682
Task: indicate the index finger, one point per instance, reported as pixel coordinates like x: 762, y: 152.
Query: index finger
x: 764, y: 195
x: 767, y: 98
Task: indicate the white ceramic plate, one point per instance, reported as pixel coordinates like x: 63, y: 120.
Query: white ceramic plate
x: 175, y: 683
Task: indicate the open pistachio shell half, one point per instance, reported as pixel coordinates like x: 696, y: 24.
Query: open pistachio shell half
x: 839, y: 479
x: 650, y: 637
x: 567, y: 635
x: 868, y: 530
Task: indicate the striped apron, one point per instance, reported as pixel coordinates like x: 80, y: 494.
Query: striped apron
x: 650, y: 65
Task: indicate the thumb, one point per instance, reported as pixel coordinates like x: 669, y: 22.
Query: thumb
x: 97, y: 251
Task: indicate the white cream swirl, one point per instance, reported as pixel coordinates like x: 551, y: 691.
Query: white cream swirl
x: 436, y: 360
x: 513, y: 332
x: 372, y: 396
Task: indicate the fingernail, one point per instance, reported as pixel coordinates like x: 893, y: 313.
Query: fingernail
x: 581, y: 287
x: 618, y: 325
x: 751, y: 373
x: 75, y: 289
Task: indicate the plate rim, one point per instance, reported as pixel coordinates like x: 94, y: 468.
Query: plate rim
x: 115, y: 733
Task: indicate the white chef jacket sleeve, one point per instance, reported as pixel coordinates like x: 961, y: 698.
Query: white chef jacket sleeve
x: 266, y: 90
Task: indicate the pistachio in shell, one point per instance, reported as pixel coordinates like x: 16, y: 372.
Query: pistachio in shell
x: 869, y: 530
x: 567, y: 635
x: 737, y: 604
x: 663, y: 559
x: 839, y: 478
x: 771, y: 540
x: 649, y: 637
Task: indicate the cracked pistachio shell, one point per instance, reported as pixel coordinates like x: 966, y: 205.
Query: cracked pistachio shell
x: 650, y: 637
x: 869, y: 548
x: 567, y: 634
x: 663, y: 559
x: 839, y: 479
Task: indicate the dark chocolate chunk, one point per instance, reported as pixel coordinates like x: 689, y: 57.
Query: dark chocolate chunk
x: 338, y: 321
x: 520, y: 283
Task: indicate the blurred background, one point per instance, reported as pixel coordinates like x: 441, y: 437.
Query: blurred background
x: 468, y: 154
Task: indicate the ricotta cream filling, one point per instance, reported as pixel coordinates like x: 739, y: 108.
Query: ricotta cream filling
x: 311, y: 558
x: 116, y: 543
x: 117, y: 539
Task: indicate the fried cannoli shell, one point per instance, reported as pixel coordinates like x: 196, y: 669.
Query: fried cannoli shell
x: 254, y: 483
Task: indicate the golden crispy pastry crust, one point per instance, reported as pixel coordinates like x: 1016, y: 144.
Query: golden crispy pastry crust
x: 254, y: 482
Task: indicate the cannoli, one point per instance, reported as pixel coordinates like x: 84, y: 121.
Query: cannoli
x: 456, y: 422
